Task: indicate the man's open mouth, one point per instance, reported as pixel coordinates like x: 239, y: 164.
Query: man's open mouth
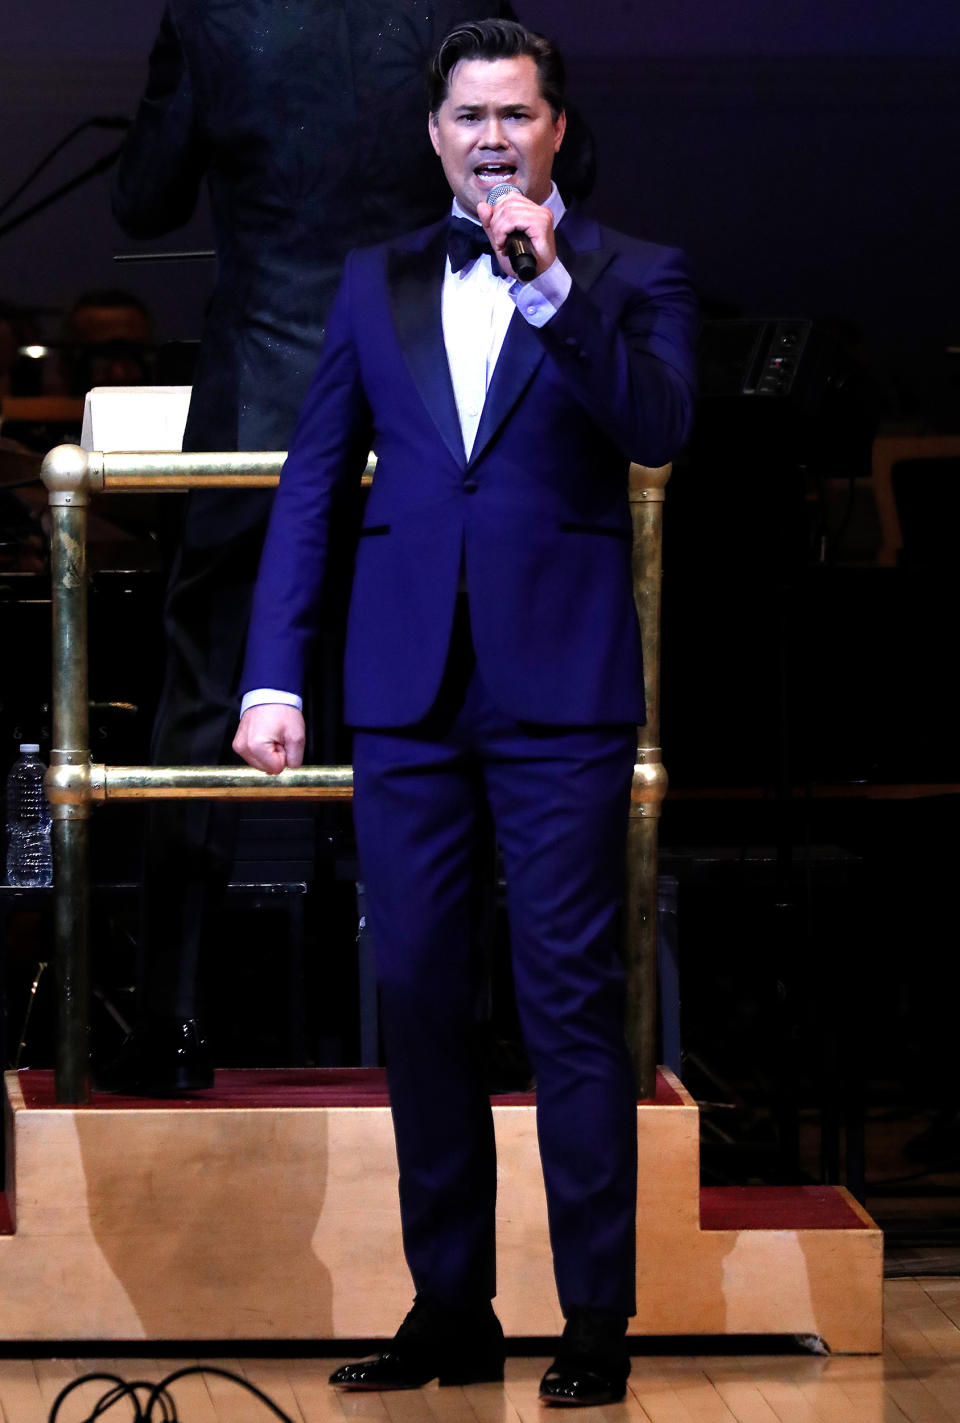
x: 496, y: 172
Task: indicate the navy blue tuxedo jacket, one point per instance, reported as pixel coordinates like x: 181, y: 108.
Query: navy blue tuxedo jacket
x: 538, y: 516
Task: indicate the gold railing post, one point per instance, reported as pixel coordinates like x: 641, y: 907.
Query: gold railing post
x: 66, y: 475
x: 647, y: 488
x: 71, y: 475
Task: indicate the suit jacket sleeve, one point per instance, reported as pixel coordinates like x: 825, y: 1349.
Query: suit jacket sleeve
x: 164, y: 156
x: 626, y: 350
x: 327, y: 455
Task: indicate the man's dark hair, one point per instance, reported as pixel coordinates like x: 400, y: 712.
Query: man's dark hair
x: 497, y: 39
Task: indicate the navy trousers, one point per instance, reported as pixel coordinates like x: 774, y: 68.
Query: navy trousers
x: 559, y: 798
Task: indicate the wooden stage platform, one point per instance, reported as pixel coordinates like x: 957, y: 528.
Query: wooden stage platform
x: 266, y: 1209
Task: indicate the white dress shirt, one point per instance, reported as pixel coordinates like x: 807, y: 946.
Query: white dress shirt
x: 476, y: 305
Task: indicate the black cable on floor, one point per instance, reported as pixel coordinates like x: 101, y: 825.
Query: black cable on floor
x: 159, y: 1406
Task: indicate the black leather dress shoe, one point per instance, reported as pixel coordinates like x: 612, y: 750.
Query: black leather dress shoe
x: 453, y: 1346
x: 161, y: 1059
x: 592, y: 1365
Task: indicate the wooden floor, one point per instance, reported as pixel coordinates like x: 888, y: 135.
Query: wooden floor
x: 917, y: 1379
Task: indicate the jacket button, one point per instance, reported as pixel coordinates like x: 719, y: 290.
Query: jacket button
x: 470, y: 486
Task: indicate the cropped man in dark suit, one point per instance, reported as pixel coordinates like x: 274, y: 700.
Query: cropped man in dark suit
x: 492, y: 652
x: 306, y: 119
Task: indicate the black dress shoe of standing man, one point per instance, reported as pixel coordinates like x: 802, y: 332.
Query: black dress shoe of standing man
x: 161, y: 1059
x: 435, y: 1341
x: 592, y: 1365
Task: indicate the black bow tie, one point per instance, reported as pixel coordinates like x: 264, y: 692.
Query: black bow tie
x: 466, y: 241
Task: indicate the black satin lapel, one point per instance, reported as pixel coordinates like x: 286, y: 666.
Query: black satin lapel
x: 520, y: 355
x: 415, y: 282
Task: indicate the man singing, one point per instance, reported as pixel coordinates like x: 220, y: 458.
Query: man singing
x: 493, y: 653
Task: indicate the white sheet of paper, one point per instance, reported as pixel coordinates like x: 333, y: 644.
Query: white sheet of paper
x: 135, y: 417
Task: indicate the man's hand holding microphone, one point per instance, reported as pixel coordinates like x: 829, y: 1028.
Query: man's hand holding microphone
x: 520, y: 232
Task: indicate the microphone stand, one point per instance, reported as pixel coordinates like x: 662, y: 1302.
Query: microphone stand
x: 96, y: 122
x: 101, y: 166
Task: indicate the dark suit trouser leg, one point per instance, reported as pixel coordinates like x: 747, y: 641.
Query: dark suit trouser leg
x: 560, y: 801
x: 415, y: 818
x: 561, y: 817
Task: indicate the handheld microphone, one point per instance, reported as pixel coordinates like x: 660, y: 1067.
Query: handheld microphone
x: 523, y: 259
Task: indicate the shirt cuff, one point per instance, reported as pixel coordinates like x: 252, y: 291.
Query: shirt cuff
x: 264, y: 696
x: 542, y: 298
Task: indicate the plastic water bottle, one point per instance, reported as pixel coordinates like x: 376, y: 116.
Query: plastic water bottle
x: 29, y: 862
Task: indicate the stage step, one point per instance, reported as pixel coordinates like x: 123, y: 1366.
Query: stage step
x: 267, y: 1209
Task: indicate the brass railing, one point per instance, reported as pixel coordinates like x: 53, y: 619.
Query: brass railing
x: 75, y: 783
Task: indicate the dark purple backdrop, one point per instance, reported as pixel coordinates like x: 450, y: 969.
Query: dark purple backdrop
x: 121, y: 28
x: 805, y: 155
